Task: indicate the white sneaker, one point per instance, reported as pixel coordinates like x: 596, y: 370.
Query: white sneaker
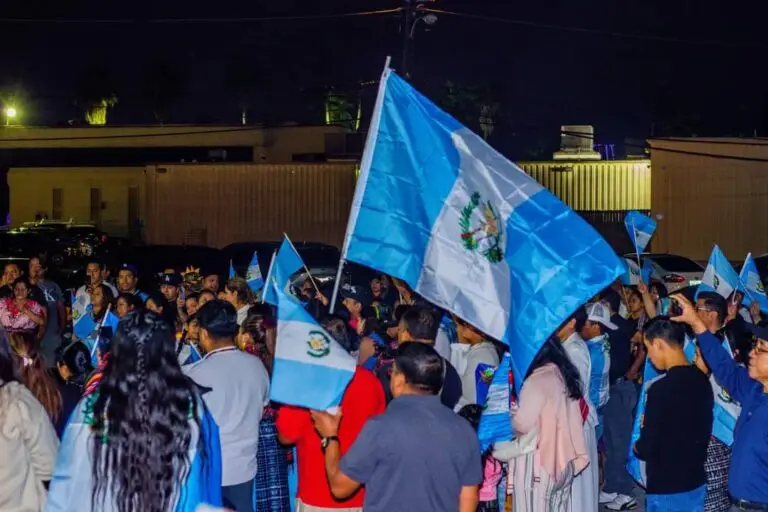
x: 607, y: 497
x: 622, y: 502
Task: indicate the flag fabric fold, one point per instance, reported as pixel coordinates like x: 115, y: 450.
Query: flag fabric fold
x: 752, y: 284
x: 232, y: 273
x: 647, y: 271
x: 719, y: 276
x: 310, y: 369
x: 640, y: 228
x: 467, y: 229
x: 286, y: 263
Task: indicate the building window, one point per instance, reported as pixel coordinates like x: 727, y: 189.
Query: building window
x: 57, y: 208
x: 96, y: 206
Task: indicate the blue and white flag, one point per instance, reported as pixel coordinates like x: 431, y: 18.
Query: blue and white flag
x: 640, y: 228
x: 311, y: 369
x: 752, y: 284
x: 495, y: 425
x: 253, y: 274
x: 467, y: 229
x: 631, y: 274
x: 635, y: 466
x: 82, y: 319
x: 647, y: 271
x: 719, y: 276
x: 726, y: 410
x: 71, y: 487
x: 286, y: 263
x: 232, y: 273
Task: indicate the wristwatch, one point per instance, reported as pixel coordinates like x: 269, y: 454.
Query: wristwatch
x: 326, y: 440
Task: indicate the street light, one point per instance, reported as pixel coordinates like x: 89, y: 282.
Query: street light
x: 10, y: 113
x: 412, y: 16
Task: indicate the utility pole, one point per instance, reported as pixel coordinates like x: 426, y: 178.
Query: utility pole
x: 407, y: 30
x: 412, y: 15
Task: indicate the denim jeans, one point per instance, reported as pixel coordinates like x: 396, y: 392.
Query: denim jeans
x: 691, y: 501
x: 617, y: 435
x: 238, y: 497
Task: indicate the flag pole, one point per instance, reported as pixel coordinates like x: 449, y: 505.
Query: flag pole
x: 98, y: 332
x: 365, y: 167
x: 269, y: 276
x: 302, y: 262
x: 637, y: 250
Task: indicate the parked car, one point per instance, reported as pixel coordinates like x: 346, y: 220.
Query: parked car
x: 674, y: 271
x: 23, y: 244
x: 81, y: 238
x: 322, y: 260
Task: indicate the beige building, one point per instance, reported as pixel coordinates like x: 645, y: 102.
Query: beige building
x: 710, y: 191
x: 113, y: 195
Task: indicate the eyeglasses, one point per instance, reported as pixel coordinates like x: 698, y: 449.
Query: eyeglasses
x: 760, y: 347
x: 699, y: 309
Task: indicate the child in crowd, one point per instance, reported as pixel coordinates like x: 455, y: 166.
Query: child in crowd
x: 677, y: 423
x: 492, y: 468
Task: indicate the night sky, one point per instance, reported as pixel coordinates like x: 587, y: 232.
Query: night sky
x: 707, y: 79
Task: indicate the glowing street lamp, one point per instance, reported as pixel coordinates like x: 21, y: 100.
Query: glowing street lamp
x: 10, y: 113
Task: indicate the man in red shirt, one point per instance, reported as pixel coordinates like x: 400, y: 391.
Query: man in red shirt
x: 363, y: 399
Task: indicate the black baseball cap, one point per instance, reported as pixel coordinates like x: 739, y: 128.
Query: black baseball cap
x: 170, y: 280
x: 354, y: 293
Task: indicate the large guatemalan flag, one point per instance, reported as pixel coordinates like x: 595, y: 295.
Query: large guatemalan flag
x: 467, y: 229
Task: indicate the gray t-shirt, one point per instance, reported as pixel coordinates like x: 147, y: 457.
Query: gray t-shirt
x: 416, y: 457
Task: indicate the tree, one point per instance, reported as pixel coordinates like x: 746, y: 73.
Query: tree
x: 340, y: 111
x: 95, y: 94
x: 163, y: 86
x: 475, y: 107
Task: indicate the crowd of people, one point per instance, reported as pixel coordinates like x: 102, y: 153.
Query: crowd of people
x: 170, y: 410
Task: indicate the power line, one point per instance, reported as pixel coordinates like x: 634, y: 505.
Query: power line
x: 160, y: 21
x: 610, y: 33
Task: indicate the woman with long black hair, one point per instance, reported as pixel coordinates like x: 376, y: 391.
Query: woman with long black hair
x: 550, y: 450
x: 28, y: 443
x: 143, y: 440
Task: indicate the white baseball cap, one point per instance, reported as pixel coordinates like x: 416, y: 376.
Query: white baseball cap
x: 601, y: 314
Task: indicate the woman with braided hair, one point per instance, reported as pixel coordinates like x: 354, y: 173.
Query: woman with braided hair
x: 143, y: 440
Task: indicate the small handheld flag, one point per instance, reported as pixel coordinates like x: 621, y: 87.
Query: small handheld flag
x: 232, y: 273
x: 284, y: 265
x: 752, y: 284
x: 647, y: 271
x: 253, y: 274
x: 82, y: 319
x: 311, y: 369
x: 719, y: 276
x: 640, y: 228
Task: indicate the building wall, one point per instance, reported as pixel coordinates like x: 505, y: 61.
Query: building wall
x: 31, y: 193
x: 219, y: 204
x: 706, y: 200
x: 596, y: 186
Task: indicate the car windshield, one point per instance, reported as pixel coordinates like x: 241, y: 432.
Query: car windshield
x: 676, y: 264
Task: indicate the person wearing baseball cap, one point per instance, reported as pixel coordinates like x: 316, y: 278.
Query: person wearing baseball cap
x: 354, y: 299
x: 595, y: 333
x: 127, y: 281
